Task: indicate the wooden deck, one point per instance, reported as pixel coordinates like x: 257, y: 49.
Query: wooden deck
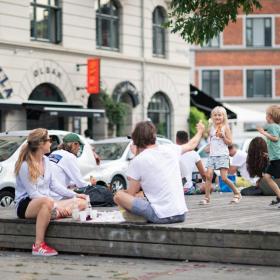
x: 247, y: 233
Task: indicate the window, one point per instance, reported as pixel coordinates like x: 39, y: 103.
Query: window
x: 259, y: 83
x: 258, y: 32
x: 159, y: 113
x: 158, y: 32
x: 107, y: 24
x: 211, y: 82
x: 213, y: 43
x: 46, y: 23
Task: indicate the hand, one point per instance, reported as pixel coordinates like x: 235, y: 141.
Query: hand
x: 82, y: 196
x: 260, y: 130
x: 133, y: 149
x: 139, y: 194
x: 93, y: 181
x: 63, y: 212
x: 200, y: 127
x: 96, y: 157
x: 220, y: 135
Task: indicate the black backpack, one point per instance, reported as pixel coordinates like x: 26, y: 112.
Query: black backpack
x: 100, y: 196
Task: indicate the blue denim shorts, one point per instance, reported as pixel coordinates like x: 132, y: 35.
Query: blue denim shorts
x: 142, y: 207
x: 218, y: 162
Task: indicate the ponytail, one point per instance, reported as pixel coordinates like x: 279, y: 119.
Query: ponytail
x: 35, y: 138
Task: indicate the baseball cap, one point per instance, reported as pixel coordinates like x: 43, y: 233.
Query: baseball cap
x: 72, y: 137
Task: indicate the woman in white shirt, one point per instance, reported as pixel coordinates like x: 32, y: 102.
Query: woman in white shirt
x: 35, y: 186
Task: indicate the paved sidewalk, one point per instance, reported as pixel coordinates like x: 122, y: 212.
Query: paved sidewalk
x: 23, y: 266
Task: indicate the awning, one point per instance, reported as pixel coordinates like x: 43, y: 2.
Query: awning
x: 53, y: 108
x: 247, y: 115
x: 81, y: 112
x: 206, y: 103
x: 6, y: 104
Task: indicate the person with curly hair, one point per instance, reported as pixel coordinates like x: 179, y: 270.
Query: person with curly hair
x: 257, y: 158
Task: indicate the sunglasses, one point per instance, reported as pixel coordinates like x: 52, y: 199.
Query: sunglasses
x: 48, y: 140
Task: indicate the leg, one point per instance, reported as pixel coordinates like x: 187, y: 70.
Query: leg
x: 40, y: 208
x: 65, y: 206
x: 208, y: 183
x: 124, y: 200
x: 268, y: 179
x: 237, y: 195
x: 224, y: 173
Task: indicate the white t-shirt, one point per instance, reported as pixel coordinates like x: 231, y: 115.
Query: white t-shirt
x: 239, y: 160
x: 187, y: 166
x: 158, y: 171
x: 65, y: 168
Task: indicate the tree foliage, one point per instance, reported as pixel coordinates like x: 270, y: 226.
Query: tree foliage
x: 115, y: 111
x: 194, y: 117
x: 198, y: 21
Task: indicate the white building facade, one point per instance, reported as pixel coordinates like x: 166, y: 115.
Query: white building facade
x: 142, y: 64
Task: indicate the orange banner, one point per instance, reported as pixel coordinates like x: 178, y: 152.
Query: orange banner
x: 93, y: 75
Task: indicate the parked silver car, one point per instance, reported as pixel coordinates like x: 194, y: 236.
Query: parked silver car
x: 115, y: 155
x: 10, y: 145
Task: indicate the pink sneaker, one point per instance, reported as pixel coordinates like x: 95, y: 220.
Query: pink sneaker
x: 43, y: 250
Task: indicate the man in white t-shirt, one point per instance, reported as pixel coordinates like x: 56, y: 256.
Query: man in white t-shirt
x: 188, y: 162
x: 156, y: 170
x: 65, y: 164
x: 238, y: 163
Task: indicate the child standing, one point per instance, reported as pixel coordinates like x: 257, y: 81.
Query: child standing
x: 219, y: 138
x: 272, y: 134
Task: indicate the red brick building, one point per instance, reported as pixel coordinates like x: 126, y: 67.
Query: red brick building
x: 242, y: 65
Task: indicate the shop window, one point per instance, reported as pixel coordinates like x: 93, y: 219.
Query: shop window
x: 259, y: 83
x: 107, y: 24
x: 211, y: 82
x: 159, y: 32
x: 159, y: 114
x: 258, y: 32
x: 45, y: 18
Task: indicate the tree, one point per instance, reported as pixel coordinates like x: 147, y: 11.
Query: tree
x: 198, y: 21
x: 194, y: 117
x: 115, y: 112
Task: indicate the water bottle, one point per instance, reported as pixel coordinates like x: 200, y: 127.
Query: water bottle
x: 88, y: 218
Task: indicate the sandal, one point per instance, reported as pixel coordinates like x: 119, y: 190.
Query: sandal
x: 236, y: 198
x: 204, y: 201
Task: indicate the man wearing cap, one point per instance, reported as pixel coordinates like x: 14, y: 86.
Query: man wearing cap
x: 64, y: 162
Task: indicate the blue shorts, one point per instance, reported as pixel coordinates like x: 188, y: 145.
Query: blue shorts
x: 218, y: 162
x: 142, y: 207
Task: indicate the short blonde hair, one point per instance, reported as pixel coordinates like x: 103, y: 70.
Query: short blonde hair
x: 274, y: 112
x: 222, y: 110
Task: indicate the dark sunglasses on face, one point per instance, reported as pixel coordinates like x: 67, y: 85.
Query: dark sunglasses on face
x: 48, y: 140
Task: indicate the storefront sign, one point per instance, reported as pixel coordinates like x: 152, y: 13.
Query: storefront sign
x: 93, y: 75
x: 5, y: 87
x: 46, y: 70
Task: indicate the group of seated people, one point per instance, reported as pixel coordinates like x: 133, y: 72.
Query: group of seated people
x: 249, y: 167
x: 42, y: 183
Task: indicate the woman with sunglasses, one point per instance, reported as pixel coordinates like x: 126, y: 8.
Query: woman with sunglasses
x: 36, y: 187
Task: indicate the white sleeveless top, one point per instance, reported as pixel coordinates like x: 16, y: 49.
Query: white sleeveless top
x: 217, y: 145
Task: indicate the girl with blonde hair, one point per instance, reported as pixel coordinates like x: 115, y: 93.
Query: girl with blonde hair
x: 219, y: 139
x: 35, y: 187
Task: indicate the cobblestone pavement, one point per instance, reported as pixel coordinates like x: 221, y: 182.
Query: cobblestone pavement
x: 23, y: 266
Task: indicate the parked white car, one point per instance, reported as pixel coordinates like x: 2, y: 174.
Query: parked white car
x: 10, y: 145
x: 115, y: 155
